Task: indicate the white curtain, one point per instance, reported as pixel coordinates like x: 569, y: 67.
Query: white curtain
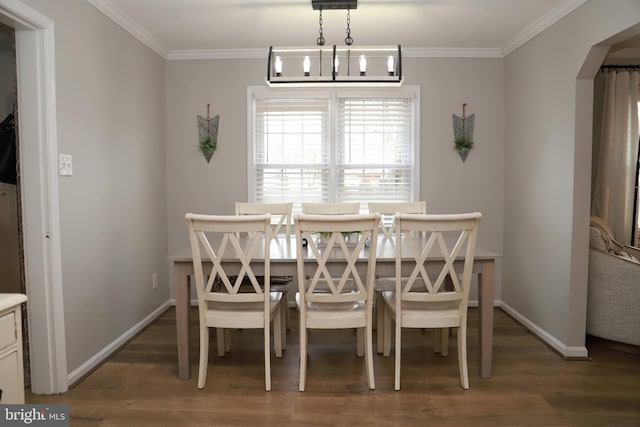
x: 616, y: 167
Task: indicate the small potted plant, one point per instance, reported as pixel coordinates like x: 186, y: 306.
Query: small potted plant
x: 463, y: 145
x: 207, y: 146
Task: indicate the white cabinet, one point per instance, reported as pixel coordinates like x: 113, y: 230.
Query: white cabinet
x: 11, y: 368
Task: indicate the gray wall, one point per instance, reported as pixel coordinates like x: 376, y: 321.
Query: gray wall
x: 110, y: 93
x: 447, y: 184
x: 547, y: 169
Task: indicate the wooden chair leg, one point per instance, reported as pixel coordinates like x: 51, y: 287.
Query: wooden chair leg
x: 220, y: 333
x: 387, y: 333
x: 303, y: 356
x: 287, y: 314
x: 267, y: 356
x: 379, y: 316
x: 368, y: 357
x: 284, y: 320
x: 360, y: 341
x: 277, y: 332
x: 437, y: 340
x: 398, y: 351
x: 462, y: 357
x: 204, y: 356
x: 444, y: 341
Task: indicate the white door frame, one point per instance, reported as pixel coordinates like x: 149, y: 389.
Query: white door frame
x: 35, y: 60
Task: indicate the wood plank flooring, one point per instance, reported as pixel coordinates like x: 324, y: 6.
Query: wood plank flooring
x: 531, y: 385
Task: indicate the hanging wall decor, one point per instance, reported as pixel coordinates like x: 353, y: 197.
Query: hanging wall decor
x: 208, y: 134
x: 463, y: 133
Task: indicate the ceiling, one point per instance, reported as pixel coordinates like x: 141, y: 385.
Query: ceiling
x: 428, y: 27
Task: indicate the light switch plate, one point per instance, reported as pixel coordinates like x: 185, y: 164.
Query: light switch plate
x: 65, y: 165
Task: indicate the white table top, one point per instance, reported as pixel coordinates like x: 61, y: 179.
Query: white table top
x: 283, y: 249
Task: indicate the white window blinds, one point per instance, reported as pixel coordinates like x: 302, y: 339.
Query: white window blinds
x: 291, y: 150
x: 337, y: 148
x: 374, y: 149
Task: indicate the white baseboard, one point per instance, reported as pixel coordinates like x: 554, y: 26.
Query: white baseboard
x: 92, y: 363
x: 550, y: 340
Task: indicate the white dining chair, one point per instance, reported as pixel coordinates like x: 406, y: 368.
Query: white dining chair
x: 225, y: 303
x: 281, y: 218
x: 278, y: 211
x: 333, y: 294
x: 328, y: 208
x: 421, y: 298
x: 387, y: 211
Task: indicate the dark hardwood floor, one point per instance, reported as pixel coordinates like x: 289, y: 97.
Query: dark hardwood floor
x: 531, y: 385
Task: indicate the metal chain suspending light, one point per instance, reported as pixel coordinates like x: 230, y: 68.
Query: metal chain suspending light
x: 348, y: 40
x: 320, y: 40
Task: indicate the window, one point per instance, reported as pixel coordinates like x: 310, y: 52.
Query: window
x: 334, y: 146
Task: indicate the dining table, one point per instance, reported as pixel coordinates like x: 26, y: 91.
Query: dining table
x: 283, y: 262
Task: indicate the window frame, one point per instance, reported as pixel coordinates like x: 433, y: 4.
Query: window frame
x: 332, y: 94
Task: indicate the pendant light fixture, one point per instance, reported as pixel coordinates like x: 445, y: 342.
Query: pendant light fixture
x: 340, y: 65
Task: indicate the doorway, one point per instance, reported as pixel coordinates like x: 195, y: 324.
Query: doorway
x: 11, y: 251
x: 623, y: 58
x: 36, y: 112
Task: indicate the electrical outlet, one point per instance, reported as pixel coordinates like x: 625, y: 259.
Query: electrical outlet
x: 154, y: 280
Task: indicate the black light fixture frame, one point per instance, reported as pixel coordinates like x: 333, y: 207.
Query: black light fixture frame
x: 391, y: 80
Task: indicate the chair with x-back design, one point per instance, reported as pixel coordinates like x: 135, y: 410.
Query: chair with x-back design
x: 226, y: 301
x: 422, y: 298
x: 281, y: 218
x: 387, y: 211
x: 332, y: 294
x: 328, y: 208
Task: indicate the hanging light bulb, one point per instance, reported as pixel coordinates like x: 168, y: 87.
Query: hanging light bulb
x: 306, y: 66
x: 390, y: 65
x: 278, y: 66
x: 363, y: 65
x: 336, y: 64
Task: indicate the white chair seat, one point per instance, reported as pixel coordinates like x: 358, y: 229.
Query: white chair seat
x: 245, y: 315
x: 334, y: 314
x: 417, y: 314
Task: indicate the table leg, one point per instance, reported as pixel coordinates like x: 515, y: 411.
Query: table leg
x: 183, y: 301
x: 485, y: 296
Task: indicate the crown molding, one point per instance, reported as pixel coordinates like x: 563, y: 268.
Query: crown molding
x: 116, y: 15
x: 551, y: 17
x: 547, y: 20
x: 185, y: 55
